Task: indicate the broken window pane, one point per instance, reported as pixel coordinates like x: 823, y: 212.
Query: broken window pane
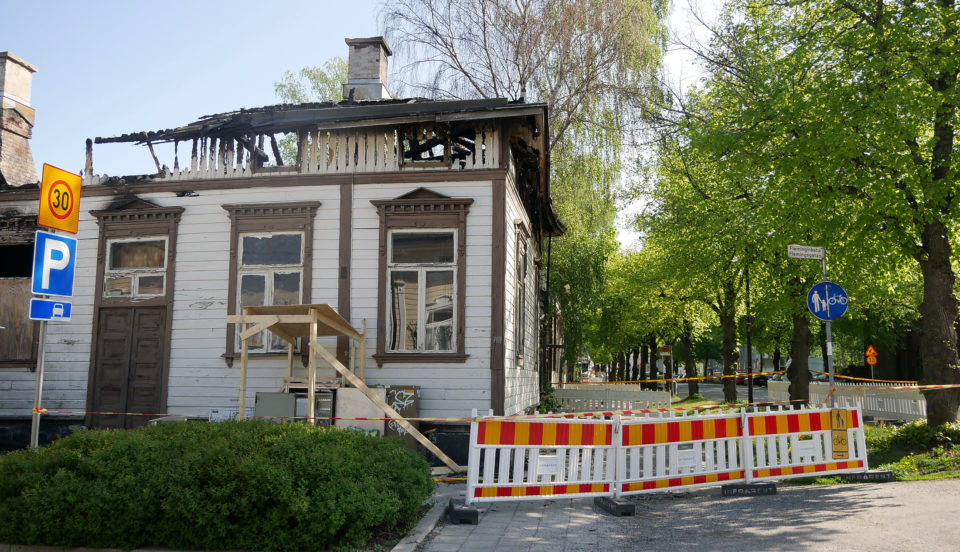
x: 402, y: 320
x: 278, y: 249
x: 118, y: 286
x: 422, y: 247
x: 438, y: 308
x: 17, y: 261
x: 150, y: 285
x: 138, y: 254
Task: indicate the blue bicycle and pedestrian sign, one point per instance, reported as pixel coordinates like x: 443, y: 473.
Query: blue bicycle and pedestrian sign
x: 827, y: 300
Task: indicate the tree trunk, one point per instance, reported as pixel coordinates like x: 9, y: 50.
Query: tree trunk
x: 635, y: 374
x: 938, y: 337
x: 690, y: 363
x: 776, y: 359
x: 799, y: 372
x: 654, y: 354
x: 644, y: 363
x: 728, y: 342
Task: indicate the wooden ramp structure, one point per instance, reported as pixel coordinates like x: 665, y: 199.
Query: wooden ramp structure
x: 310, y: 321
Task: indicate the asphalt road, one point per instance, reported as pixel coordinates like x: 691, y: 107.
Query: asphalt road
x: 714, y: 392
x: 869, y: 517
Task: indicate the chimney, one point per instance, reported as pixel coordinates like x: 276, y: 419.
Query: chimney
x: 16, y: 121
x: 367, y: 69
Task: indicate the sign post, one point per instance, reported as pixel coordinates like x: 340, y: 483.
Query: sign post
x: 826, y: 300
x: 54, y: 265
x: 871, y: 355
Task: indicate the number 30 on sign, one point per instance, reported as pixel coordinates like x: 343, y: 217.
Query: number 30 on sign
x: 59, y: 199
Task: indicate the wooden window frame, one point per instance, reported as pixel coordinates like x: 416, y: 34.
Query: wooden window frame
x: 422, y: 269
x: 423, y: 209
x: 522, y: 246
x: 270, y: 270
x: 134, y: 273
x: 266, y: 218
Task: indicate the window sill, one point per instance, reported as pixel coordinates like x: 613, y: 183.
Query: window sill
x: 415, y: 358
x: 18, y: 365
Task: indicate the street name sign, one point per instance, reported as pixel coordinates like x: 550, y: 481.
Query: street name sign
x: 827, y: 300
x: 805, y: 252
x: 54, y: 264
x: 59, y: 199
x: 45, y: 309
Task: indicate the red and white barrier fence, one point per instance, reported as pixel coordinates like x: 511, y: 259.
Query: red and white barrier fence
x: 551, y: 458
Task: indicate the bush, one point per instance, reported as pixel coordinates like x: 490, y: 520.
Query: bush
x: 917, y: 435
x: 196, y: 485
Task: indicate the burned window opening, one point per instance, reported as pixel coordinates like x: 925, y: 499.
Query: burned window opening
x: 17, y: 261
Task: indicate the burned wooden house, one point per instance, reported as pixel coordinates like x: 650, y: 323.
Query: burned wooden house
x: 420, y: 219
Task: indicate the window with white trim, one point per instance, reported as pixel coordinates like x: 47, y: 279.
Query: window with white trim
x: 422, y: 297
x: 269, y: 272
x: 136, y: 267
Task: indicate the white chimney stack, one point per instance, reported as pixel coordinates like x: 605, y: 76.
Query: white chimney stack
x: 367, y: 69
x: 16, y: 121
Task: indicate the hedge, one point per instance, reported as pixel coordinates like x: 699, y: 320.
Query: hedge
x: 195, y: 485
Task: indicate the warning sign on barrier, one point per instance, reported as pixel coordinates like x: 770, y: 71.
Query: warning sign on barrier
x: 841, y: 446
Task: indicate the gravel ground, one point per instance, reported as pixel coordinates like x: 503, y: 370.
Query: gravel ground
x: 919, y: 515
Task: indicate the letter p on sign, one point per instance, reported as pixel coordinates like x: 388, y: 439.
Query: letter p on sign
x: 54, y: 264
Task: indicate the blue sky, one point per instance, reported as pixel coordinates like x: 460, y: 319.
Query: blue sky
x: 111, y: 67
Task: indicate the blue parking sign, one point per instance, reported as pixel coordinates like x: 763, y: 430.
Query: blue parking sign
x: 45, y: 309
x: 827, y: 300
x: 54, y: 264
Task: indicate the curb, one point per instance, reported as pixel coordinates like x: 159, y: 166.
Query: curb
x: 420, y: 532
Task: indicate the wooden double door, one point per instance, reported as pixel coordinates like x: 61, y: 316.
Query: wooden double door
x: 129, y: 371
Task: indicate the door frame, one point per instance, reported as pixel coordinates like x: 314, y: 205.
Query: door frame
x: 134, y: 218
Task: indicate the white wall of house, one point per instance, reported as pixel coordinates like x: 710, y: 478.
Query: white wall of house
x: 200, y: 380
x: 446, y: 390
x: 521, y: 387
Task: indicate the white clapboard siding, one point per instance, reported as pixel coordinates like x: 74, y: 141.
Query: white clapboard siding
x: 521, y: 389
x: 446, y: 389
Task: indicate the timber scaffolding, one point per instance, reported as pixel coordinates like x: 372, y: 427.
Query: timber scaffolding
x: 341, y: 137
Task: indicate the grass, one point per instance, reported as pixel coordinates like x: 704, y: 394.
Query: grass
x: 912, y: 452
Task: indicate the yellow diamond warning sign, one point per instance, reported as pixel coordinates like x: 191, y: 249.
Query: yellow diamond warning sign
x: 871, y: 351
x: 59, y: 199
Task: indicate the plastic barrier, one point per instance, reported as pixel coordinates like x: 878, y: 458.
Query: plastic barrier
x: 803, y: 443
x: 880, y: 401
x: 543, y: 458
x: 686, y: 451
x: 551, y: 458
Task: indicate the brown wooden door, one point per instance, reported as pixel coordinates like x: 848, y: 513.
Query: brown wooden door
x: 128, y: 376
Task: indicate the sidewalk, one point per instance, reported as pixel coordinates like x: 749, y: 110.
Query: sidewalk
x: 892, y: 517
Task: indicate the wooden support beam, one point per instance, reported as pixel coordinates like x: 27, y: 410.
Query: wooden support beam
x: 387, y: 409
x: 257, y: 328
x: 242, y: 403
x: 312, y: 373
x: 344, y: 329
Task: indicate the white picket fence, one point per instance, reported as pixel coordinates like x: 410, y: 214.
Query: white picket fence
x: 609, y: 397
x: 538, y: 458
x: 874, y: 399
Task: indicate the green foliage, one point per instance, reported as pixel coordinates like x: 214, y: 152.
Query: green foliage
x: 917, y: 435
x: 313, y: 84
x: 193, y: 486
x: 548, y: 403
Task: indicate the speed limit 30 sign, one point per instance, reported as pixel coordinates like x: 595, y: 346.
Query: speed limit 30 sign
x: 59, y: 199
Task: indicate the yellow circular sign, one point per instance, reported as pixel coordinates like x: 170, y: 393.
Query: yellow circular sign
x: 60, y: 200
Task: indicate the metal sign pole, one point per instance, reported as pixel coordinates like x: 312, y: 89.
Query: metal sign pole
x: 829, y: 359
x: 38, y: 391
